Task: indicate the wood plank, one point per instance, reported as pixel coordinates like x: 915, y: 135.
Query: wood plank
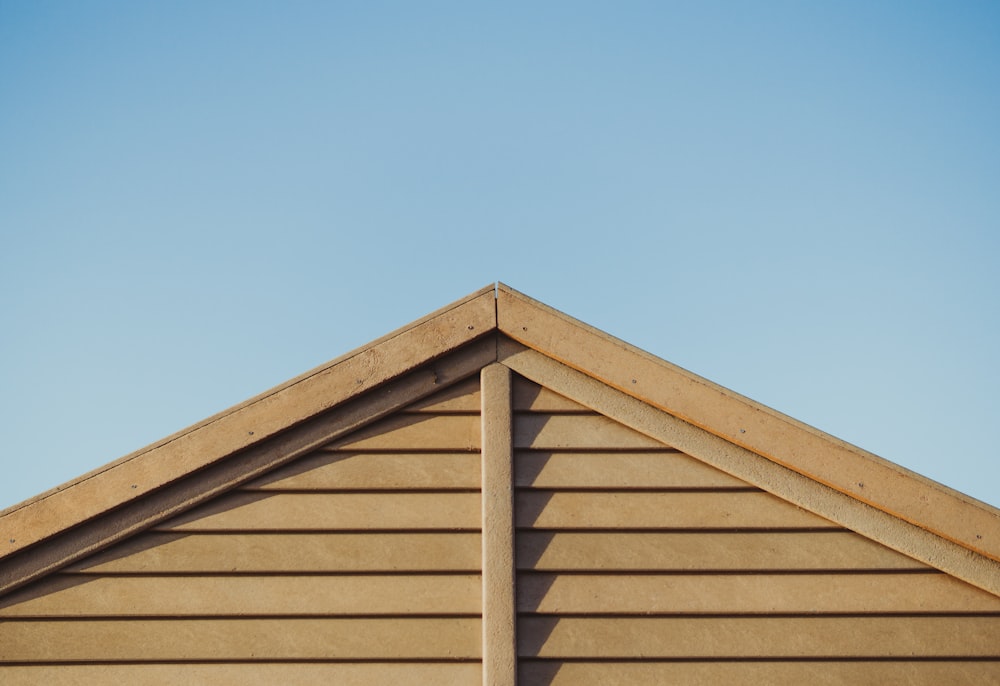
x: 331, y: 512
x: 249, y: 423
x: 247, y: 674
x: 749, y: 594
x: 499, y: 645
x: 156, y: 553
x: 685, y: 510
x: 906, y: 536
x: 240, y: 639
x: 814, y: 673
x: 794, y: 637
x: 344, y: 471
x: 86, y: 596
x: 666, y: 469
x: 576, y: 432
x: 405, y: 432
x: 461, y: 398
x: 224, y: 475
x: 531, y: 673
x: 554, y: 551
x: 530, y: 397
x: 743, y: 422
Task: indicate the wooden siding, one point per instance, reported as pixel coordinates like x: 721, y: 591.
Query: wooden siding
x: 716, y: 672
x: 639, y: 564
x: 357, y: 563
x: 246, y: 674
x: 864, y: 477
x: 449, y: 333
x: 365, y: 561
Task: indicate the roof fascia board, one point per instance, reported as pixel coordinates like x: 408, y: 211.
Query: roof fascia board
x: 743, y: 422
x: 880, y: 526
x: 247, y: 424
x: 97, y: 533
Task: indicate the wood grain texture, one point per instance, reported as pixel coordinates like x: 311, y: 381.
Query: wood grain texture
x: 618, y: 470
x: 263, y: 594
x: 240, y: 639
x: 407, y: 432
x: 499, y: 644
x: 179, y: 596
x: 179, y: 496
x: 632, y: 510
x: 247, y: 674
x: 346, y: 471
x: 332, y: 512
x: 887, y: 528
x: 743, y: 422
x: 460, y: 398
x: 648, y: 551
x: 334, y: 469
x: 576, y: 432
x: 156, y: 553
x: 714, y: 673
x: 367, y: 471
x: 247, y: 424
x: 528, y: 396
x: 368, y: 549
x: 750, y: 594
x: 779, y: 637
x: 597, y: 609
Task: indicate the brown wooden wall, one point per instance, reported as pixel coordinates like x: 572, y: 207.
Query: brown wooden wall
x: 639, y: 564
x: 359, y: 563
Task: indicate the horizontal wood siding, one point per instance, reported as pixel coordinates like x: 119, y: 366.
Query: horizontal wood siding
x: 716, y: 672
x: 705, y: 551
x: 361, y: 562
x: 619, y: 470
x: 639, y: 564
x: 251, y: 595
x: 452, y: 673
x: 756, y: 637
x: 337, y: 470
x: 551, y: 509
x: 252, y: 552
x: 339, y: 511
x: 245, y: 639
x: 761, y: 593
x: 362, y: 559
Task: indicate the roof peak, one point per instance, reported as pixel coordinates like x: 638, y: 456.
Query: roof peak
x: 494, y: 323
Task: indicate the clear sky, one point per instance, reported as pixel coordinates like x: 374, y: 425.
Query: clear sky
x: 797, y: 200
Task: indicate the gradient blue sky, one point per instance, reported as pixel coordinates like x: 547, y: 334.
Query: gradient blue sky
x: 797, y: 200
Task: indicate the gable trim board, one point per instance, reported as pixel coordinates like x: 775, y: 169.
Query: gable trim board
x: 182, y: 492
x: 249, y: 425
x: 820, y: 457
x: 744, y: 464
x: 743, y: 422
x: 493, y: 332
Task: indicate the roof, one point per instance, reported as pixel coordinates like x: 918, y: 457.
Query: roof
x: 820, y: 473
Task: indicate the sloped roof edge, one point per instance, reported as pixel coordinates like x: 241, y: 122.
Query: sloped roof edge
x: 802, y: 448
x: 750, y: 467
x: 136, y: 475
x: 973, y: 525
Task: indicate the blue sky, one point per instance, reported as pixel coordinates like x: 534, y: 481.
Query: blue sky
x: 797, y: 200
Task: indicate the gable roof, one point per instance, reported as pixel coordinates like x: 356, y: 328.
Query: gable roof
x: 796, y: 462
